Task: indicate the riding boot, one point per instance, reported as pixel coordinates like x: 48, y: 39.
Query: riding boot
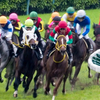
x: 19, y: 50
x: 11, y: 51
x: 69, y: 51
x: 52, y: 45
x: 90, y: 49
x: 40, y: 54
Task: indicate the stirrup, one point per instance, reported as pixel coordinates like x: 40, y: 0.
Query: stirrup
x: 90, y: 50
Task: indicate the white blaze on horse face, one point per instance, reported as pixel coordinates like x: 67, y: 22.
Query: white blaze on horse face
x: 62, y: 40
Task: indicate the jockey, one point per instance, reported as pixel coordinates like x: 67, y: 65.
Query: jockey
x: 6, y: 33
x: 29, y: 27
x: 55, y: 22
x: 62, y: 28
x: 69, y: 16
x: 37, y: 21
x: 54, y: 14
x: 83, y: 21
x: 13, y: 17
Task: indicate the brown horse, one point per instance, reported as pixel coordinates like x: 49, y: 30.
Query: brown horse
x: 57, y: 66
x: 80, y: 54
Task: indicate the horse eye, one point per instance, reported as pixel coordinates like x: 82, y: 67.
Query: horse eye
x: 27, y: 36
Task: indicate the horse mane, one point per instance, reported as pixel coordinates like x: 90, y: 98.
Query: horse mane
x: 96, y: 28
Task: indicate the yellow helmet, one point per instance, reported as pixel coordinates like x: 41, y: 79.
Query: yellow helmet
x: 3, y: 19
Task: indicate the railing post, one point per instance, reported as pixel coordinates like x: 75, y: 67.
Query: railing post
x: 28, y: 3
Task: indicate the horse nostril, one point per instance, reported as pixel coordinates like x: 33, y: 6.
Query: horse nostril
x: 63, y: 51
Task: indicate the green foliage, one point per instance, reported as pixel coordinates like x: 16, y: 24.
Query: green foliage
x: 44, y: 6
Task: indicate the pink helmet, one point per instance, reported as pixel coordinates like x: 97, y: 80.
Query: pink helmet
x: 13, y: 16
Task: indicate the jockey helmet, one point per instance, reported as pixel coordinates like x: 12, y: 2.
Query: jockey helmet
x: 13, y: 16
x: 3, y: 19
x: 70, y: 10
x: 57, y: 19
x: 33, y: 14
x: 29, y: 23
x: 62, y: 24
x: 54, y: 14
x: 81, y: 13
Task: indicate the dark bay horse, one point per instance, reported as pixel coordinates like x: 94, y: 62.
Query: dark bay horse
x: 26, y: 64
x: 80, y: 54
x: 96, y: 33
x: 57, y: 66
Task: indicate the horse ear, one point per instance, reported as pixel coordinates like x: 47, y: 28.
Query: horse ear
x: 94, y: 25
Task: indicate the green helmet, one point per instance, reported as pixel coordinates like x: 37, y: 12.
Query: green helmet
x: 33, y: 14
x: 29, y: 23
x: 70, y: 10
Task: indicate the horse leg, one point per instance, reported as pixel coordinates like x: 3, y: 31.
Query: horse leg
x: 28, y: 83
x: 98, y: 76
x: 70, y: 73
x: 47, y: 88
x: 64, y: 81
x: 16, y: 83
x: 1, y: 80
x: 24, y: 83
x: 89, y: 74
x: 36, y: 84
x: 75, y: 75
x: 56, y: 87
x: 10, y: 74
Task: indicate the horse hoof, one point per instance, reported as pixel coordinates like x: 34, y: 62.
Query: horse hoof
x: 46, y: 93
x: 72, y: 88
x: 34, y: 94
x: 25, y: 90
x: 64, y: 91
x: 90, y: 76
x: 53, y: 84
x: 15, y: 94
x: 6, y: 88
x: 1, y: 80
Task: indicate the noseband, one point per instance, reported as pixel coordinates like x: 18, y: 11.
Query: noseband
x: 57, y: 46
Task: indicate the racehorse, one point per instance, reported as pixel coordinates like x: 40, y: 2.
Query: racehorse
x: 10, y: 70
x: 80, y: 54
x: 96, y: 28
x: 57, y: 66
x: 5, y: 60
x: 26, y: 64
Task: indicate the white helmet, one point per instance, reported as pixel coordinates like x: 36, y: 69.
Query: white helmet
x: 81, y: 13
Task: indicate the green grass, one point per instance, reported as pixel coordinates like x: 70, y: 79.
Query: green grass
x: 85, y: 88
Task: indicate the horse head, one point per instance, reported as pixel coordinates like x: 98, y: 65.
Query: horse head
x: 75, y: 36
x: 96, y: 28
x: 30, y: 39
x: 61, y: 44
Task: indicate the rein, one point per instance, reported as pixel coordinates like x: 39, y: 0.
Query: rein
x: 57, y: 46
x: 26, y: 43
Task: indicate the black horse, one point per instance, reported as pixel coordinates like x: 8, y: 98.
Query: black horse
x: 26, y: 64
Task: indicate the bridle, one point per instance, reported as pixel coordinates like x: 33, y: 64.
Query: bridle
x: 57, y: 46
